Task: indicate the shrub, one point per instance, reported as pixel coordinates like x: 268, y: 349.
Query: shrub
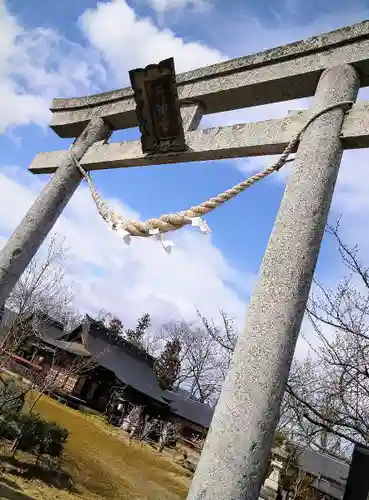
x: 8, y: 429
x: 54, y: 440
x: 11, y: 404
x: 11, y: 399
x: 41, y: 437
x: 31, y: 433
x: 28, y: 432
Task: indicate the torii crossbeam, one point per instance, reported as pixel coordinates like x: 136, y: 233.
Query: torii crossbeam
x: 332, y: 67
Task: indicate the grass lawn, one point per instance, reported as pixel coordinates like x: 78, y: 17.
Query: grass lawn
x: 102, y: 464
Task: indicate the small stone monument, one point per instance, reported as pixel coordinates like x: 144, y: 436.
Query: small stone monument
x: 271, y: 487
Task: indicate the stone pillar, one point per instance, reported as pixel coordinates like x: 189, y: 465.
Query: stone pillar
x: 235, y: 454
x: 32, y: 231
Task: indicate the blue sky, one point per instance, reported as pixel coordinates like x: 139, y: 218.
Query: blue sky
x: 74, y: 48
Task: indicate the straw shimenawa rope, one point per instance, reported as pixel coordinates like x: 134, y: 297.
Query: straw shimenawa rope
x: 174, y: 221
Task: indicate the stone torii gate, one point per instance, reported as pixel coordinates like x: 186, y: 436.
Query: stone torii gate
x: 332, y: 67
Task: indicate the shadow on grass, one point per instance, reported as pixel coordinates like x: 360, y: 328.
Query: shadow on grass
x: 11, y: 491
x: 21, y: 468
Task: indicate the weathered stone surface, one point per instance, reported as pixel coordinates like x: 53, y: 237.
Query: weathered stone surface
x: 32, y: 231
x: 246, y: 139
x: 341, y: 36
x: 288, y: 72
x: 157, y: 108
x: 235, y: 454
x: 191, y: 116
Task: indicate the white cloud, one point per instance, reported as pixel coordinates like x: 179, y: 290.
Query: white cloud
x: 352, y: 202
x: 162, y: 6
x: 169, y: 11
x: 132, y: 42
x: 351, y: 199
x: 129, y: 280
x: 176, y: 8
x: 37, y: 65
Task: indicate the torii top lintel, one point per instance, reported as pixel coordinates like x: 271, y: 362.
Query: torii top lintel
x: 283, y: 73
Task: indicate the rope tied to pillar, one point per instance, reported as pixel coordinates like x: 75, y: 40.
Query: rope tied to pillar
x: 157, y: 226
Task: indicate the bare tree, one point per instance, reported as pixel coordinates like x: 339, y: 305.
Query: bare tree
x: 41, y: 300
x: 302, y: 487
x: 328, y: 393
x: 225, y: 336
x: 43, y: 294
x: 295, y: 481
x: 326, y: 404
x: 113, y: 323
x: 201, y: 360
x: 71, y: 319
x: 45, y: 285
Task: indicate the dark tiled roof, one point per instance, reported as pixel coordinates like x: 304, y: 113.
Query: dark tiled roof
x: 330, y: 474
x: 73, y: 335
x: 129, y: 367
x: 321, y: 465
x: 7, y: 317
x: 3, y: 332
x: 73, y: 347
x: 198, y: 413
x: 55, y: 326
x: 132, y: 365
x: 100, y: 331
x: 333, y: 490
x: 47, y: 325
